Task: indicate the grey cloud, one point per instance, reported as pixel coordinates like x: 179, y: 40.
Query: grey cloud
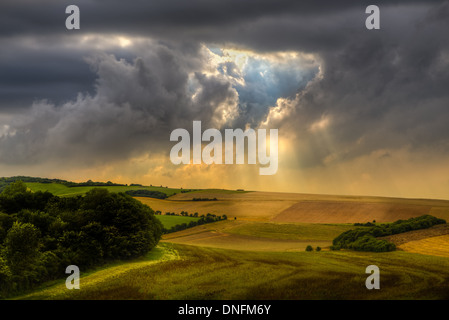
x: 135, y: 106
x: 36, y: 68
x: 171, y: 17
x: 381, y: 91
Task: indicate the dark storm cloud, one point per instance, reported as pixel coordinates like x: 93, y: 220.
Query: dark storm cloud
x: 30, y: 70
x: 135, y: 106
x: 382, y: 90
x: 142, y: 17
x: 375, y: 84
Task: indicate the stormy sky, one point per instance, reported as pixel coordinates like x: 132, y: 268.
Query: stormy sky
x: 358, y: 111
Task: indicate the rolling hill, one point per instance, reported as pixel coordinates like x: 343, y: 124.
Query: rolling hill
x: 266, y: 234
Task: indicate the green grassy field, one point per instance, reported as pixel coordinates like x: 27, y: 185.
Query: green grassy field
x: 170, y: 221
x: 258, y: 236
x: 62, y: 190
x: 212, y: 273
x: 98, y: 277
x: 291, y: 231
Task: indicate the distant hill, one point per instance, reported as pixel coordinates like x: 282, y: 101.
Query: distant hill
x: 61, y: 187
x: 4, y: 181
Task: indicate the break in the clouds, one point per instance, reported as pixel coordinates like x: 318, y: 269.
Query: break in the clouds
x: 136, y: 103
x: 343, y: 97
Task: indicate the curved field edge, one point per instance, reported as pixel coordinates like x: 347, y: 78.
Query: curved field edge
x: 100, y: 277
x: 212, y: 273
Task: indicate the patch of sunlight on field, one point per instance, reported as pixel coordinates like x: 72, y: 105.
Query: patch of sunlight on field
x: 100, y: 277
x: 257, y: 236
x: 435, y: 246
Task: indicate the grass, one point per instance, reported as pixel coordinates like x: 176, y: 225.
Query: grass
x: 171, y: 221
x: 258, y: 236
x: 211, y: 273
x: 62, y: 190
x: 100, y: 277
x: 255, y: 257
x: 287, y: 231
x: 436, y: 246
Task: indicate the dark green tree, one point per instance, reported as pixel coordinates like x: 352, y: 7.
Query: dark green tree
x: 22, y: 247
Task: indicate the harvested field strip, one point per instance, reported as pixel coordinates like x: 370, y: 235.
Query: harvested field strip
x: 435, y: 246
x: 349, y: 212
x: 301, y: 208
x: 248, y: 243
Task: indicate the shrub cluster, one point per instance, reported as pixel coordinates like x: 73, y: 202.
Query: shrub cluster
x: 310, y: 248
x: 204, y: 199
x: 364, y: 239
x: 367, y: 224
x: 41, y: 234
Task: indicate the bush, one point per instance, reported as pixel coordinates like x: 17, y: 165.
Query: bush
x: 370, y: 243
x: 309, y: 248
x: 318, y: 249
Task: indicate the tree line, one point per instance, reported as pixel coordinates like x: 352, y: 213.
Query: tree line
x: 5, y: 181
x: 204, y: 199
x: 365, y: 238
x: 41, y: 234
x: 146, y: 193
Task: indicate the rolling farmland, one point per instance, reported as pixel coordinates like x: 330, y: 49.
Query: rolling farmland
x: 267, y: 233
x: 302, y: 208
x: 266, y: 221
